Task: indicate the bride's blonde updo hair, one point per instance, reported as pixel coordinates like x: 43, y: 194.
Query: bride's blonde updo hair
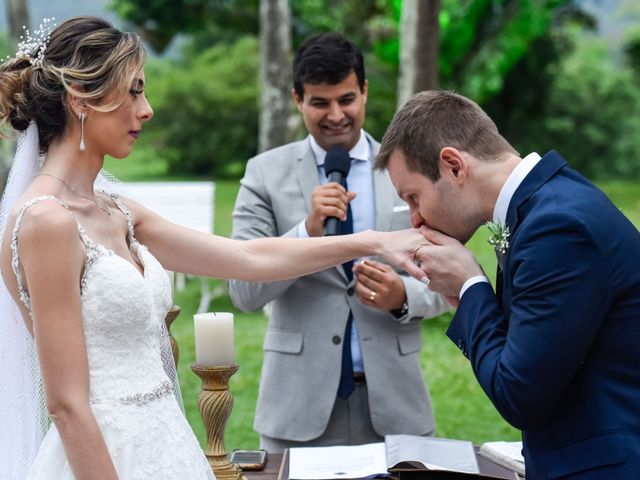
x: 83, y: 52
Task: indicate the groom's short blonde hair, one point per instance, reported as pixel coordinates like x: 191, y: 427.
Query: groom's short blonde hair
x: 435, y: 119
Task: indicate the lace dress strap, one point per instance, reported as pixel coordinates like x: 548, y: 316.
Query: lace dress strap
x: 15, y: 260
x: 131, y: 236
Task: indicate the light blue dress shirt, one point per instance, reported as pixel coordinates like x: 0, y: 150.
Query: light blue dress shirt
x: 363, y: 208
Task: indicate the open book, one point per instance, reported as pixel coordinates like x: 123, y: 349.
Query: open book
x: 398, y: 453
x: 508, y: 454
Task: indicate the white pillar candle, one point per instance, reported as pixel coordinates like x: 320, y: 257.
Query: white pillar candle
x: 214, y: 339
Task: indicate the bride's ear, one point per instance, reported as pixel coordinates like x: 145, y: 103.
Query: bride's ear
x: 75, y: 104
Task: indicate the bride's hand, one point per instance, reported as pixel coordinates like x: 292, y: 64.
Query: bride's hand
x: 399, y: 248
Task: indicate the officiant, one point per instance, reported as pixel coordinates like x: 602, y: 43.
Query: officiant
x: 555, y: 346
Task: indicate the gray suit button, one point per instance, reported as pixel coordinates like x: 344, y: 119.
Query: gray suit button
x: 336, y: 340
x: 350, y: 291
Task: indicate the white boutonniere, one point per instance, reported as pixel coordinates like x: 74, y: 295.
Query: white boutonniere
x: 499, y: 238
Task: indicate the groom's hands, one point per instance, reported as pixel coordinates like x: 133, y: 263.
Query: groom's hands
x: 447, y: 263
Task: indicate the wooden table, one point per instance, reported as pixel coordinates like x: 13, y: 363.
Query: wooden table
x: 274, y: 460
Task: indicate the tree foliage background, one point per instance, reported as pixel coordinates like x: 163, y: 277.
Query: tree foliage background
x: 536, y: 66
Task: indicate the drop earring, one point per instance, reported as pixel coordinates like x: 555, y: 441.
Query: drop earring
x: 81, y: 117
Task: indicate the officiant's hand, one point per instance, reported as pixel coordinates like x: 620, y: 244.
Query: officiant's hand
x: 447, y: 263
x: 328, y: 200
x: 379, y: 286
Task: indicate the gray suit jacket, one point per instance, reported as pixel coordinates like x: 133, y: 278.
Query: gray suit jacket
x: 303, y: 342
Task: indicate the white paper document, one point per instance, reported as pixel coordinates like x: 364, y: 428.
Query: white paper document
x: 433, y: 453
x: 356, y: 461
x: 510, y: 449
x: 507, y: 454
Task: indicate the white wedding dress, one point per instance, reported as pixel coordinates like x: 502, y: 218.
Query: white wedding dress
x: 132, y: 398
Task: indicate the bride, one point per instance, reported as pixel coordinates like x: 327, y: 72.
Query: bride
x: 84, y: 270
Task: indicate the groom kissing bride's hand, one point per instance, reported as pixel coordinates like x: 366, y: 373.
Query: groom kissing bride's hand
x: 550, y: 346
x: 447, y: 263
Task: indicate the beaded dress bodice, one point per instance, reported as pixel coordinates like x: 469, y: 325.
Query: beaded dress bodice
x: 130, y: 392
x: 122, y: 313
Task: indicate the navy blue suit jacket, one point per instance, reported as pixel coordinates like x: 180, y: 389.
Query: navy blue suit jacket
x: 558, y: 349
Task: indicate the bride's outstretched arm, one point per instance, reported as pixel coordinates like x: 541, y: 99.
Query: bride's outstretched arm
x: 184, y: 250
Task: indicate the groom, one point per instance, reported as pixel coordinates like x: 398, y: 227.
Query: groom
x: 556, y: 347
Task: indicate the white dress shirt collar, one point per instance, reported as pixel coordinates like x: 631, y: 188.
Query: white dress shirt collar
x: 511, y: 185
x: 359, y: 152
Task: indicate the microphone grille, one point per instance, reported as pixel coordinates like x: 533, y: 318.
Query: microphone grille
x: 337, y: 160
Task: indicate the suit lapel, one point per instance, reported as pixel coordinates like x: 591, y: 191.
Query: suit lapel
x: 499, y: 283
x: 546, y: 168
x: 383, y: 191
x: 307, y: 174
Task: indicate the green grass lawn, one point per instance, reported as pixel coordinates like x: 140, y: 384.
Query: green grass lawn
x: 462, y: 410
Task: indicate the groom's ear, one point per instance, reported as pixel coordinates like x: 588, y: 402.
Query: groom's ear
x: 453, y: 165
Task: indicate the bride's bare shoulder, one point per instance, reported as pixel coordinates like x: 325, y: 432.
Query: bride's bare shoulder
x: 46, y: 235
x: 43, y: 219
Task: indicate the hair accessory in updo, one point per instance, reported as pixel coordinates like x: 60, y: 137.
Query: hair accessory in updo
x: 34, y: 46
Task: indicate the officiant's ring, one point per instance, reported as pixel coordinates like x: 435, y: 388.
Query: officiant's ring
x: 372, y: 296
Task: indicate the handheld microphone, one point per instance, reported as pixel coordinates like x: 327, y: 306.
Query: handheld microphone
x: 336, y: 166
